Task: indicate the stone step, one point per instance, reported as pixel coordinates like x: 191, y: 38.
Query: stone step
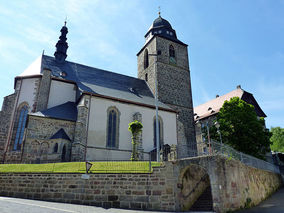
x: 204, y: 202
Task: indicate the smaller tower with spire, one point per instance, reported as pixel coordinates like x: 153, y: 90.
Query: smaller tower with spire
x: 62, y: 46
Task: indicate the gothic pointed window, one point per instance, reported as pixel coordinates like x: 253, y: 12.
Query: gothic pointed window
x: 160, y: 127
x: 112, y: 128
x: 146, y: 59
x: 21, y: 118
x: 172, y: 55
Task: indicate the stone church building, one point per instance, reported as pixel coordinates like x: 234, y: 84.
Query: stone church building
x: 66, y: 111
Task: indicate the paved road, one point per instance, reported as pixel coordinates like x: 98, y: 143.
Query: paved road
x: 274, y: 204
x: 12, y: 205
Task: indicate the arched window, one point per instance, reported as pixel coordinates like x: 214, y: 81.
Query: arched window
x: 22, y: 118
x: 55, y: 148
x: 112, y: 127
x: 160, y: 126
x: 146, y: 59
x: 172, y: 55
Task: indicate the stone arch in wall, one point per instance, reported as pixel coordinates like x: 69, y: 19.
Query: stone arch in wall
x: 195, y: 189
x: 34, y: 149
x: 44, y: 149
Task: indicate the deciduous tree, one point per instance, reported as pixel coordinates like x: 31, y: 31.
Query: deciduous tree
x: 242, y: 129
x: 277, y: 139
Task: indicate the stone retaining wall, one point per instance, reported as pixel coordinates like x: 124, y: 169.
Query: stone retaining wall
x: 135, y: 191
x: 234, y: 186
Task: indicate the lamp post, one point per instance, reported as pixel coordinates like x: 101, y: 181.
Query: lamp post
x: 156, y: 106
x: 208, y: 135
x: 88, y: 166
x: 219, y: 132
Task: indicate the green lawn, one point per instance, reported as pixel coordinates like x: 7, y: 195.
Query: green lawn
x: 79, y: 167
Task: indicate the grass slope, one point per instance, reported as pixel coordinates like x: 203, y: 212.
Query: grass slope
x: 79, y: 167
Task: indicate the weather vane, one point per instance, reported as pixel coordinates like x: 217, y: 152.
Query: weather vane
x: 159, y: 11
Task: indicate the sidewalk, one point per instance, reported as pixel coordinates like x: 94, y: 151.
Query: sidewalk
x: 274, y: 204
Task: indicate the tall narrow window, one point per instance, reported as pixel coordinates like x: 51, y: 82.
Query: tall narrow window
x: 112, y: 128
x: 146, y: 77
x: 172, y: 55
x: 146, y: 59
x: 23, y: 112
x: 160, y: 126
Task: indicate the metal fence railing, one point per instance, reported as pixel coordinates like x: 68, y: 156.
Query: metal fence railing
x: 222, y: 149
x: 113, y: 160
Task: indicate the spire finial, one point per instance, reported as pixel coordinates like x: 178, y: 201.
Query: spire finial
x: 62, y: 46
x: 159, y: 11
x: 65, y: 21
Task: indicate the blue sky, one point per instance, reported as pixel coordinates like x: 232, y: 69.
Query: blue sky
x: 230, y: 42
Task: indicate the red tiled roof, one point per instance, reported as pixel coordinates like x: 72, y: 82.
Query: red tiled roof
x: 212, y: 107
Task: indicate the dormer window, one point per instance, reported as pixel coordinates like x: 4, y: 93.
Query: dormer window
x: 172, y: 55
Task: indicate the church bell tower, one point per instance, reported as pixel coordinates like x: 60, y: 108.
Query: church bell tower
x: 166, y: 58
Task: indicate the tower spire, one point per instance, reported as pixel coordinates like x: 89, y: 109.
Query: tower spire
x: 159, y: 11
x: 62, y: 46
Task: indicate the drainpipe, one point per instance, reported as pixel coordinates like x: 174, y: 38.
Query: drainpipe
x: 11, y: 126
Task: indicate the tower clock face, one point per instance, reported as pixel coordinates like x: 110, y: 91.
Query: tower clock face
x: 173, y: 60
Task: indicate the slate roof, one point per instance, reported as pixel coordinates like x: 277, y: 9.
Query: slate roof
x: 60, y: 134
x: 66, y: 111
x: 161, y: 28
x: 212, y: 107
x: 96, y: 81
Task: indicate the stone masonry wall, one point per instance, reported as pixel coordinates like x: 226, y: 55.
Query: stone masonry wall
x: 5, y: 117
x: 80, y: 135
x: 131, y: 191
x: 174, y: 87
x: 43, y: 92
x: 38, y: 144
x: 233, y: 184
x: 244, y: 186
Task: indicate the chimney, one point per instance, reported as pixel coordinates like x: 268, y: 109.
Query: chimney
x: 217, y: 96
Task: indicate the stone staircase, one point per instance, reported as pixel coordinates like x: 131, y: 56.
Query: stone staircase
x: 204, y: 202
